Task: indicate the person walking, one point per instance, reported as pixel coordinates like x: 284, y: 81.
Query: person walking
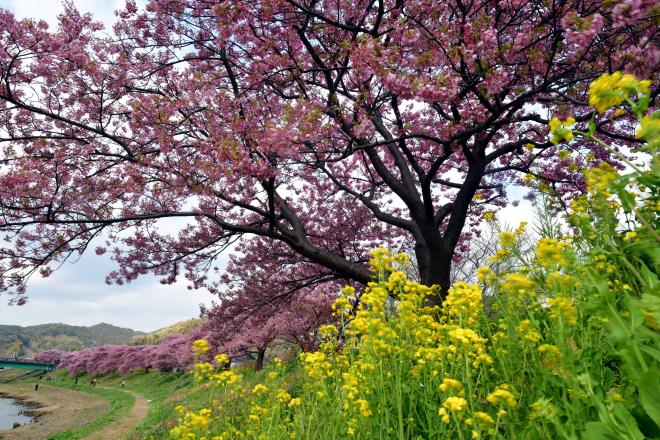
x: 36, y: 386
x: 123, y: 383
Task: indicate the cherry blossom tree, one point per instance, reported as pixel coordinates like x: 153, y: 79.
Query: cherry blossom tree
x: 261, y: 311
x: 174, y: 351
x: 51, y: 356
x: 319, y: 128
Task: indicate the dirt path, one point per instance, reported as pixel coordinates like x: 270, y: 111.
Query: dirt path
x: 118, y: 429
x: 60, y: 409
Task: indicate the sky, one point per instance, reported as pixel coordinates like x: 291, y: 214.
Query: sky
x: 77, y: 294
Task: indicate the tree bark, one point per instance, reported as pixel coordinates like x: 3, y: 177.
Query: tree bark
x: 259, y: 363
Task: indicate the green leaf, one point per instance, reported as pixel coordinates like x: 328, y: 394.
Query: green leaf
x: 653, y: 352
x: 649, y: 393
x: 636, y: 318
x: 598, y: 431
x: 628, y: 428
x: 650, y: 305
x: 642, y: 103
x: 650, y: 278
x: 627, y: 199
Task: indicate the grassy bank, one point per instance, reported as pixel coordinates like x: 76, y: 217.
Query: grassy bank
x: 164, y: 390
x: 120, y: 403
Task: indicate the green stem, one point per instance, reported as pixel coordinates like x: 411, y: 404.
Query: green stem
x: 608, y: 148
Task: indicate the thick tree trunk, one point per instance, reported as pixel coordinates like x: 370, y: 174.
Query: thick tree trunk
x: 259, y: 364
x: 434, y: 257
x: 440, y: 275
x: 435, y: 270
x: 436, y: 250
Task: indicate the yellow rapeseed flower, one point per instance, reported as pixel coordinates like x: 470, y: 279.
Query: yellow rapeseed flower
x: 200, y: 347
x: 259, y: 389
x: 548, y: 252
x: 484, y: 417
x: 549, y: 349
x: 455, y: 404
x: 502, y: 396
x: 221, y: 359
x: 611, y: 90
x: 363, y: 407
x: 598, y: 178
x: 527, y: 331
x: 283, y: 396
x: 649, y: 130
x: 518, y: 284
x: 328, y: 331
x: 520, y: 229
x: 464, y: 301
x: 507, y: 239
x: 342, y: 306
x: 450, y: 385
x: 561, y: 130
x: 484, y: 274
x: 562, y: 307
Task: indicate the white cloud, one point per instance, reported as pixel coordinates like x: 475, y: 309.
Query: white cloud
x: 148, y: 307
x: 77, y: 294
x: 48, y: 10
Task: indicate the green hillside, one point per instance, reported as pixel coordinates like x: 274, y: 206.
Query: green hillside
x: 37, y: 338
x: 180, y: 328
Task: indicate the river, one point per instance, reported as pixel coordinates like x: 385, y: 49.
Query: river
x: 10, y: 413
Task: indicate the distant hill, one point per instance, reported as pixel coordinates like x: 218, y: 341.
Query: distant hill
x: 180, y: 328
x: 37, y: 338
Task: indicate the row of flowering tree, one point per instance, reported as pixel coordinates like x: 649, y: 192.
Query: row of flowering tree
x: 230, y: 328
x: 172, y: 352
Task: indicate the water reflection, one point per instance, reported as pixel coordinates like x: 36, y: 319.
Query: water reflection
x: 10, y: 413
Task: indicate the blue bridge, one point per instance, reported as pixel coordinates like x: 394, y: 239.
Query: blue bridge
x: 26, y: 364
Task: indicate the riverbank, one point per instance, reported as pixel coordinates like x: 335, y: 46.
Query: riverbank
x: 34, y: 409
x: 55, y: 410
x: 143, y: 409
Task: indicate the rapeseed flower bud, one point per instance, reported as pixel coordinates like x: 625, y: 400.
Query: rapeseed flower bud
x: 542, y: 409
